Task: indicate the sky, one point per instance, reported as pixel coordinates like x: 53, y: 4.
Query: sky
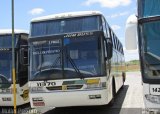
x: 116, y: 13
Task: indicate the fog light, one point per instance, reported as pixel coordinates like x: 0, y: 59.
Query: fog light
x: 98, y: 96
x: 91, y: 96
x: 151, y: 112
x: 95, y: 96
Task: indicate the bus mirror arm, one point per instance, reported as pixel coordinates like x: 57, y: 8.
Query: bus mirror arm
x: 106, y: 58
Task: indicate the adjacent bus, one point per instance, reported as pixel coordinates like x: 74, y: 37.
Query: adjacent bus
x: 21, y: 55
x: 75, y: 60
x: 147, y: 25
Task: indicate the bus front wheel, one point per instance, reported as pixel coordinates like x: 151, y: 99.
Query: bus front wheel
x: 113, y: 94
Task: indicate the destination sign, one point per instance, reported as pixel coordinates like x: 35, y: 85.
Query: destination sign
x: 50, y: 42
x: 73, y: 35
x: 46, y: 52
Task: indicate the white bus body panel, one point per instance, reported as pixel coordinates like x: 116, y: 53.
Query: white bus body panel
x: 6, y: 99
x: 66, y: 98
x: 72, y: 98
x: 66, y: 15
x: 147, y: 91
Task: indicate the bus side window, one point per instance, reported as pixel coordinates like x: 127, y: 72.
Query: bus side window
x: 105, y: 49
x: 104, y: 27
x: 113, y: 40
x: 108, y: 31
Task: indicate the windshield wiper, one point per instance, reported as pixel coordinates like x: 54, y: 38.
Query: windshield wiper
x: 50, y: 66
x: 153, y: 55
x: 3, y: 79
x: 152, y: 59
x: 40, y: 67
x: 74, y: 65
x: 57, y: 61
x: 71, y: 61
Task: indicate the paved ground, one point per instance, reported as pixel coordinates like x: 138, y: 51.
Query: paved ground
x: 134, y: 95
x: 129, y: 100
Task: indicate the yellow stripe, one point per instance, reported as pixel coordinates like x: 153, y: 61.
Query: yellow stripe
x: 14, y: 90
x: 93, y: 81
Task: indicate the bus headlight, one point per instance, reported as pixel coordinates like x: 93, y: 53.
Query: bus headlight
x: 153, y: 98
x: 36, y: 89
x: 7, y: 91
x: 90, y: 86
x: 93, y: 86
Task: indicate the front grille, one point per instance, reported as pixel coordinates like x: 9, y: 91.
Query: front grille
x: 55, y: 88
x: 68, y: 87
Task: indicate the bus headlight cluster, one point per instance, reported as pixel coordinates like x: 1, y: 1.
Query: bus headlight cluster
x: 36, y: 89
x: 90, y: 86
x: 6, y: 91
x: 98, y: 96
x: 153, y: 98
x: 100, y: 85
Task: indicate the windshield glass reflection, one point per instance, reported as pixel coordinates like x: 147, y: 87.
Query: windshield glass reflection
x: 5, y: 67
x: 67, y: 58
x: 151, y: 49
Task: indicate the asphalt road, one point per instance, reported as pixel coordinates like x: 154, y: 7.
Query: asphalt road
x: 129, y: 100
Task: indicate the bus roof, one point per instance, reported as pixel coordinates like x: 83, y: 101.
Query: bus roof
x: 9, y: 31
x: 66, y: 15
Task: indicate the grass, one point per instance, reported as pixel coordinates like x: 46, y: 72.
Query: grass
x: 132, y: 66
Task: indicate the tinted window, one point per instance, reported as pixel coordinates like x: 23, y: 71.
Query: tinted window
x: 149, y: 8
x: 65, y: 26
x: 6, y: 41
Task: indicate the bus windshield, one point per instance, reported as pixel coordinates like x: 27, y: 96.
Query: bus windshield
x: 45, y: 55
x: 151, y: 37
x: 66, y: 25
x: 149, y: 8
x: 5, y: 67
x: 66, y: 58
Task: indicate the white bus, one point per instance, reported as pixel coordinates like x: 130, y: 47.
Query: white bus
x: 147, y: 25
x: 75, y: 60
x: 6, y: 82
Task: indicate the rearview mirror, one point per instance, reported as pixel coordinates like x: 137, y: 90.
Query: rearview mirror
x: 24, y: 56
x: 131, y: 33
x: 109, y: 49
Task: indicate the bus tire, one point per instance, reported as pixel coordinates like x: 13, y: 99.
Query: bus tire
x: 124, y: 77
x: 113, y: 94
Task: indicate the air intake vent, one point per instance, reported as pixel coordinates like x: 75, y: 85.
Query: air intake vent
x: 68, y: 87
